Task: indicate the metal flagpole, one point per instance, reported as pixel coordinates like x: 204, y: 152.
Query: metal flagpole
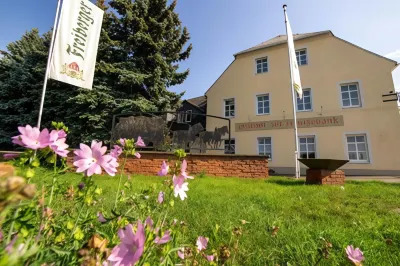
x: 296, y: 153
x: 48, y: 65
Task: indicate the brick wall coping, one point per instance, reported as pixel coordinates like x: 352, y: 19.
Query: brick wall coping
x: 171, y: 154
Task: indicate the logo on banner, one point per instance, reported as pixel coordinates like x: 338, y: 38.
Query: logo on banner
x: 72, y: 70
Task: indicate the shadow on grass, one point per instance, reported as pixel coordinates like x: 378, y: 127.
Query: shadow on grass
x: 285, y: 181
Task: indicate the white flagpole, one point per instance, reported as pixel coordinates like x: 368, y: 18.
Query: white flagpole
x: 48, y: 65
x: 292, y: 92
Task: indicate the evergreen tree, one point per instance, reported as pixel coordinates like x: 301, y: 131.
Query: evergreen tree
x: 141, y: 45
x: 22, y: 70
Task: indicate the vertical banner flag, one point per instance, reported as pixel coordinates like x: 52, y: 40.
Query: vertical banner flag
x: 75, y: 47
x: 293, y: 61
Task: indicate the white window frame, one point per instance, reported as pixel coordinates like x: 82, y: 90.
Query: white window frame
x: 269, y: 103
x: 189, y: 114
x: 367, y: 143
x: 315, y: 143
x: 256, y: 64
x: 298, y: 56
x: 258, y: 147
x: 234, y: 146
x: 311, y: 101
x: 359, y: 91
x: 224, y: 106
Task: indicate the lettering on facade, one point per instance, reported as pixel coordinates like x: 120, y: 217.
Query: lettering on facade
x: 327, y: 121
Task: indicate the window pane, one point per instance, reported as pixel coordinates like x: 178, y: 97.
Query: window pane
x: 354, y: 94
x: 310, y: 140
x: 346, y: 102
x: 307, y: 106
x: 260, y: 105
x: 344, y: 88
x: 311, y: 155
x: 351, y: 139
x: 303, y: 155
x: 311, y: 147
x: 345, y: 95
x: 306, y: 92
x: 362, y: 156
x: 226, y: 113
x: 267, y: 141
x: 303, y: 140
x: 261, y: 148
x: 266, y: 110
x: 265, y: 69
x: 259, y: 70
x: 352, y: 147
x: 260, y: 110
x: 232, y: 113
x: 361, y: 147
x: 303, y: 147
x: 268, y: 149
x: 352, y: 155
x: 226, y: 107
x: 353, y: 87
x: 307, y: 99
x: 355, y: 102
x: 360, y: 138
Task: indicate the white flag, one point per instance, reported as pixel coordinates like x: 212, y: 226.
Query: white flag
x: 75, y: 47
x: 293, y: 61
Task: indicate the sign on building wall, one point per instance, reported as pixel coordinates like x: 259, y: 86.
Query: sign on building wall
x: 327, y: 121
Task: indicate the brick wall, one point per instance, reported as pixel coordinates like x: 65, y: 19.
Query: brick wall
x: 325, y: 177
x: 211, y: 165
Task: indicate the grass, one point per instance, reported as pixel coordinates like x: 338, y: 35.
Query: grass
x: 364, y: 214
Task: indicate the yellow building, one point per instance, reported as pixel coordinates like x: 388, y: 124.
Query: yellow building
x: 341, y: 116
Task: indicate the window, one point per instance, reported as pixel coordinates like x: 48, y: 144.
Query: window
x: 304, y: 104
x: 263, y: 104
x: 357, y: 148
x: 229, y: 149
x: 301, y: 56
x: 229, y: 107
x: 265, y: 147
x: 262, y: 65
x: 307, y: 147
x: 188, y: 117
x: 350, y: 95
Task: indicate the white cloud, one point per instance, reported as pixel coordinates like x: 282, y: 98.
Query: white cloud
x: 394, y: 55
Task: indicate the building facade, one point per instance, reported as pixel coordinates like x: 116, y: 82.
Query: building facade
x: 341, y: 116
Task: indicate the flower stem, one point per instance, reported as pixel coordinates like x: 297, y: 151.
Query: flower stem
x: 119, y: 182
x: 54, y: 179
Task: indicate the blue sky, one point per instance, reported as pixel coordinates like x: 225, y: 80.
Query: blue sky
x: 220, y: 28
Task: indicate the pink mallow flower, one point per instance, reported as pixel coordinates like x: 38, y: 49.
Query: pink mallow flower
x: 210, y: 258
x: 57, y: 143
x: 122, y: 141
x: 355, y: 255
x: 180, y: 187
x: 140, y: 142
x: 149, y: 222
x: 116, y: 151
x: 164, y: 239
x: 164, y: 169
x: 201, y: 242
x: 183, y: 170
x: 129, y: 251
x: 160, y: 198
x: 137, y: 155
x: 32, y: 137
x: 101, y: 218
x: 10, y: 156
x: 181, y: 253
x: 91, y: 160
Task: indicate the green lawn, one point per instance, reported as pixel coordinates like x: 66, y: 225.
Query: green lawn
x: 365, y: 214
